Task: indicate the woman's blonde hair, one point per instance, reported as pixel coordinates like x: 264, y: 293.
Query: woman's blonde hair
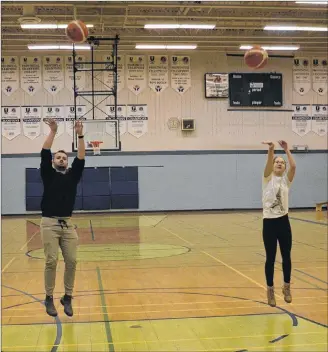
x: 274, y: 159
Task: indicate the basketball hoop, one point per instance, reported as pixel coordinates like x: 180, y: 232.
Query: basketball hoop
x: 96, y: 147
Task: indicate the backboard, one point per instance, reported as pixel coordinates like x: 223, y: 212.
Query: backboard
x: 105, y: 131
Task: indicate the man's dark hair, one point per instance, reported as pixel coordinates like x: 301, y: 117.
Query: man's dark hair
x: 61, y: 151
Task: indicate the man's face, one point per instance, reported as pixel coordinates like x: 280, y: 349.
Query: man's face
x: 60, y: 161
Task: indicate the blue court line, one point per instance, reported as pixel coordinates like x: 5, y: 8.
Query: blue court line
x: 312, y: 321
x: 92, y: 233
x: 297, y: 277
x: 310, y: 221
x: 278, y: 338
x: 313, y: 277
x: 309, y: 245
x: 58, y: 322
x: 111, y: 346
x: 105, y: 313
x: 154, y: 319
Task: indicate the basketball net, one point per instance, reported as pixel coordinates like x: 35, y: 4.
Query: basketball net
x: 96, y: 147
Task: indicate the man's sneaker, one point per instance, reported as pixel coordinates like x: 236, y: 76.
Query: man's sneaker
x: 50, y: 307
x: 66, y: 301
x: 286, y: 293
x: 271, y: 297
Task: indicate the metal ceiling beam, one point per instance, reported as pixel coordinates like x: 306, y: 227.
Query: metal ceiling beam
x: 158, y: 4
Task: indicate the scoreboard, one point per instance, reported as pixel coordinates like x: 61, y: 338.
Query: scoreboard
x: 255, y: 89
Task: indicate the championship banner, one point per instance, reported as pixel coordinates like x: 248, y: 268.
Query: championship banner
x: 158, y: 72
x: 320, y: 119
x: 53, y: 74
x: 301, y: 119
x: 136, y: 73
x: 320, y: 75
x: 137, y: 116
x: 180, y: 73
x: 55, y: 112
x: 30, y: 74
x: 70, y: 117
x: 108, y: 76
x: 301, y: 75
x: 9, y: 74
x: 31, y: 116
x: 121, y: 116
x: 79, y: 76
x: 10, y: 121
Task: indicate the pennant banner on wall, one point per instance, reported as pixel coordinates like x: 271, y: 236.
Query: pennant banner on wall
x: 10, y: 121
x: 9, y: 74
x: 55, y: 112
x: 301, y: 119
x: 79, y: 76
x: 30, y: 74
x: 108, y: 76
x: 137, y: 116
x: 70, y: 117
x: 320, y: 119
x: 121, y: 116
x: 31, y: 116
x: 320, y: 75
x: 180, y: 73
x: 301, y: 75
x: 136, y: 73
x: 53, y: 74
x: 158, y: 72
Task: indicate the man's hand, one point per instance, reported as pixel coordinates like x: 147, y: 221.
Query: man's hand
x: 79, y: 128
x: 52, y: 124
x: 53, y: 130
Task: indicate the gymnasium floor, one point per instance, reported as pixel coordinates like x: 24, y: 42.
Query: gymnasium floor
x: 167, y: 282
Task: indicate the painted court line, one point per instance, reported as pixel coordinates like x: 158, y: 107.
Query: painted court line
x: 223, y: 263
x: 29, y: 240
x: 173, y: 233
x: 163, y: 304
x: 8, y: 264
x: 183, y: 340
x: 106, y: 318
x: 313, y: 277
x: 105, y: 313
x: 238, y: 272
x: 310, y: 221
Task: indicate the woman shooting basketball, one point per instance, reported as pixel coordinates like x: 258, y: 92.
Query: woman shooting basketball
x: 57, y: 230
x: 276, y: 226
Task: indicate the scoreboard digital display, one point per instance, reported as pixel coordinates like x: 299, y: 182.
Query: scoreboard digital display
x: 255, y: 89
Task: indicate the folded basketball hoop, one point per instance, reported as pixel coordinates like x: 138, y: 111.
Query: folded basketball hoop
x: 96, y: 147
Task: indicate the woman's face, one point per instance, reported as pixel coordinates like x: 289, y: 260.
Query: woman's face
x: 279, y: 166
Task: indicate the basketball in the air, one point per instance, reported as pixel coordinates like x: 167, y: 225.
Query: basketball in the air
x: 256, y: 57
x: 77, y: 31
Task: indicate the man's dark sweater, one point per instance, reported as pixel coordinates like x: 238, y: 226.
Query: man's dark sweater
x: 59, y: 188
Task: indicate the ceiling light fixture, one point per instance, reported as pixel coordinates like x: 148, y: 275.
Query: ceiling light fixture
x: 312, y: 2
x: 48, y: 26
x: 179, y: 26
x: 57, y: 47
x: 272, y: 47
x: 295, y: 28
x: 162, y: 46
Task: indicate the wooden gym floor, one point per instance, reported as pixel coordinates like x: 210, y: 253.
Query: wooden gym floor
x: 167, y: 282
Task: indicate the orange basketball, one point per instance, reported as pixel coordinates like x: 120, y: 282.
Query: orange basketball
x: 256, y: 57
x: 77, y: 31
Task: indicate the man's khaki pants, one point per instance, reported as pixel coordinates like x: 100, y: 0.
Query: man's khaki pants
x: 55, y: 233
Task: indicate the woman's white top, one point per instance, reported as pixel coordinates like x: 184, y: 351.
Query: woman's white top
x: 275, y: 191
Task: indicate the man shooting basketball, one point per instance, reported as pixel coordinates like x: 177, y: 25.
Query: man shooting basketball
x: 57, y: 230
